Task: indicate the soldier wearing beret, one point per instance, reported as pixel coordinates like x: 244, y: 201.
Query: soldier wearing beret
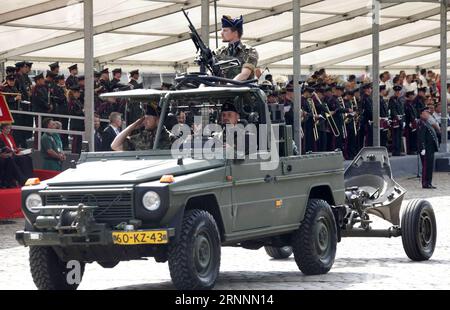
x: 72, y: 80
x: 232, y: 31
x: 428, y: 144
x: 146, y: 138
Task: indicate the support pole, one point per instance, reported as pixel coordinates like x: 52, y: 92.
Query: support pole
x: 376, y: 71
x: 297, y: 73
x: 89, y: 73
x: 2, y: 71
x: 444, y: 140
x: 205, y: 26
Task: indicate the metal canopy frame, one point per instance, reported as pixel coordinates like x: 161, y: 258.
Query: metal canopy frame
x: 12, y: 19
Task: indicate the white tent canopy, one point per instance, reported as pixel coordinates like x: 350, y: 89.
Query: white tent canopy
x: 336, y: 34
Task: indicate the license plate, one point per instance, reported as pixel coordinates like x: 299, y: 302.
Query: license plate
x: 140, y: 237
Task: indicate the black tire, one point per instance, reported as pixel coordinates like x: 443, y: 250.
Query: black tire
x: 194, y: 261
x: 278, y: 253
x: 419, y: 231
x: 314, y: 243
x: 48, y: 271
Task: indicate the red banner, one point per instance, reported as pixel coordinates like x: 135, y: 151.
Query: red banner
x: 5, y: 115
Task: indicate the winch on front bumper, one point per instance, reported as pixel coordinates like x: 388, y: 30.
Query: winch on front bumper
x: 76, y: 225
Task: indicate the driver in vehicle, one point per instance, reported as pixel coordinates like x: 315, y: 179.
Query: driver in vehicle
x: 146, y: 138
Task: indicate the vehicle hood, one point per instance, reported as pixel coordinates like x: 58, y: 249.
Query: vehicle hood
x: 129, y: 171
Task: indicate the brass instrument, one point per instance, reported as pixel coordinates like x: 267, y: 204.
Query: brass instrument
x: 344, y: 128
x: 330, y: 119
x: 315, y: 114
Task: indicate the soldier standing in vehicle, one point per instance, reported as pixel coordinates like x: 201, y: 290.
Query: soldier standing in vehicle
x: 232, y: 31
x: 145, y: 139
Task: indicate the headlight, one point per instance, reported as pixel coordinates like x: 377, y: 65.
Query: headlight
x: 151, y: 201
x: 32, y: 201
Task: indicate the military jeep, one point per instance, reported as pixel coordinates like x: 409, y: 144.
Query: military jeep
x: 124, y: 206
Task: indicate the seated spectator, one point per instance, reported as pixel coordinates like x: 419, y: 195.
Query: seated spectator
x: 112, y: 131
x: 51, y: 148
x: 22, y: 160
x: 8, y: 169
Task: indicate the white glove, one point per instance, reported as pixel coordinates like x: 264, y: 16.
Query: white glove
x: 423, y: 153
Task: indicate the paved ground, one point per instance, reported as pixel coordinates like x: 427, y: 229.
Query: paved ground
x: 360, y: 263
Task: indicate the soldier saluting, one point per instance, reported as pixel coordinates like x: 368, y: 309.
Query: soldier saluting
x: 232, y: 31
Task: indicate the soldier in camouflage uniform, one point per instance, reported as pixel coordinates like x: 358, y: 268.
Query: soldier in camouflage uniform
x: 232, y: 30
x: 146, y: 138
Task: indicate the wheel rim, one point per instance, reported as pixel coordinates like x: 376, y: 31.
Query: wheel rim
x: 425, y: 230
x: 203, y: 254
x: 323, y: 237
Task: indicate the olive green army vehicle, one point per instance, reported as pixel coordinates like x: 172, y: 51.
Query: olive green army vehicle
x: 124, y: 206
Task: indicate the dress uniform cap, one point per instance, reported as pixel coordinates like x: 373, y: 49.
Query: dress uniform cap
x: 54, y: 65
x: 73, y: 67
x: 397, y: 88
x: 350, y: 92
x: 97, y: 74
x: 422, y: 89
x: 118, y: 70
x: 367, y: 86
x: 134, y: 72
x: 20, y: 64
x: 340, y: 87
x: 38, y: 77
x: 81, y: 78
x: 228, y: 107
x: 75, y: 88
x: 28, y: 64
x: 10, y: 77
x: 60, y: 77
x: 409, y: 93
x: 382, y: 87
x: 10, y: 69
x: 105, y: 71
x: 228, y: 22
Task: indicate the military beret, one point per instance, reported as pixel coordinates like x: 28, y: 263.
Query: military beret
x: 10, y: 77
x: 118, y: 70
x: 75, y: 88
x: 10, y: 69
x: 228, y: 107
x: 410, y: 93
x: 134, y: 72
x: 228, y: 22
x: 20, y: 64
x: 51, y: 74
x: 54, y: 65
x: 398, y: 88
x: 38, y: 77
x: 73, y: 67
x: 382, y: 87
x: 422, y: 89
x: 105, y: 71
x: 153, y: 110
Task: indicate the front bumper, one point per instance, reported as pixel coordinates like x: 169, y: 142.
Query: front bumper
x: 103, y: 238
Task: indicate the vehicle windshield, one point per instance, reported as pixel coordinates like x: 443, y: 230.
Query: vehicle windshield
x: 196, y: 120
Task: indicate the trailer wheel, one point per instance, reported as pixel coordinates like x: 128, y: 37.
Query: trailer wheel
x: 278, y: 252
x: 418, y: 225
x: 194, y: 261
x: 314, y: 243
x: 49, y: 272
